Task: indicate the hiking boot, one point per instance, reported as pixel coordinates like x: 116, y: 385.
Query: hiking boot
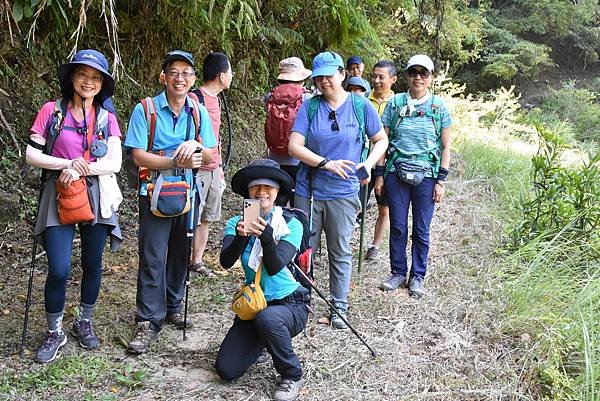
x: 393, y: 282
x: 176, y: 319
x: 336, y: 321
x: 416, y: 288
x: 264, y: 357
x: 288, y: 390
x: 142, y: 337
x: 372, y: 253
x: 83, y: 330
x: 51, y: 343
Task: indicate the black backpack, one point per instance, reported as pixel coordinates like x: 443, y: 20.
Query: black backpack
x: 303, y: 258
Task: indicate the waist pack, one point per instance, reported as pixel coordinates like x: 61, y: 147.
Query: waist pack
x: 169, y: 196
x: 250, y: 299
x: 410, y: 173
x: 73, y: 203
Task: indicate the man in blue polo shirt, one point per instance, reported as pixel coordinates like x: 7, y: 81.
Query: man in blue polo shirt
x: 162, y: 240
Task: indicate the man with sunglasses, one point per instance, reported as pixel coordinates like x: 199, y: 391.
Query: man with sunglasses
x: 415, y: 171
x: 327, y: 139
x: 163, y: 247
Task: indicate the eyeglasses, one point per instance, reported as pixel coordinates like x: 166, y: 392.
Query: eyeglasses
x: 334, y: 124
x: 413, y: 72
x: 176, y: 74
x: 82, y: 76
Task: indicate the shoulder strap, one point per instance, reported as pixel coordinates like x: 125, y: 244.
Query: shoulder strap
x: 197, y: 95
x: 150, y: 113
x: 359, y: 104
x: 58, y: 119
x: 313, y: 106
x: 436, y: 115
x: 101, y: 127
x: 196, y: 115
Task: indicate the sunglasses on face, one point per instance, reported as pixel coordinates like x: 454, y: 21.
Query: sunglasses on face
x: 413, y: 72
x: 334, y: 124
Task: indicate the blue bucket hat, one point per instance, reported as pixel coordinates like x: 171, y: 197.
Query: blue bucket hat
x: 358, y: 81
x: 177, y: 55
x: 326, y: 64
x: 91, y: 58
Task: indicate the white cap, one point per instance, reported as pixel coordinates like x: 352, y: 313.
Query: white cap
x: 422, y: 60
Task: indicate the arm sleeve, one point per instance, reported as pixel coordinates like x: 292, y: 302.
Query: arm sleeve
x: 275, y: 256
x: 111, y: 163
x: 36, y: 157
x: 233, y: 244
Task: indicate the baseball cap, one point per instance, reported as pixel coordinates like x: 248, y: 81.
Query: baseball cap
x: 326, y: 64
x: 353, y: 60
x: 422, y: 60
x: 177, y: 55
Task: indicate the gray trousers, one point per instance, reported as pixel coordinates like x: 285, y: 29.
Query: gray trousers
x: 336, y: 217
x: 163, y: 249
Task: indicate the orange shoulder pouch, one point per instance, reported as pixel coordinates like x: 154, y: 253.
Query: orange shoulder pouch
x: 169, y: 196
x: 73, y: 203
x: 250, y: 299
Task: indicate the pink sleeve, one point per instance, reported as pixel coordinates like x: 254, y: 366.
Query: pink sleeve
x: 43, y: 119
x: 113, y: 125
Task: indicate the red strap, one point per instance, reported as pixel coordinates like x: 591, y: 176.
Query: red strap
x: 152, y: 122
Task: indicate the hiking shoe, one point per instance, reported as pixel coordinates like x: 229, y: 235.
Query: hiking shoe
x: 83, y: 330
x: 176, y: 319
x: 51, y: 343
x: 372, y: 253
x: 142, y: 337
x: 416, y: 288
x: 264, y: 357
x: 288, y: 390
x: 393, y: 282
x: 336, y: 321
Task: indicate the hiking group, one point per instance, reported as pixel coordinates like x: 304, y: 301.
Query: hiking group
x: 325, y: 146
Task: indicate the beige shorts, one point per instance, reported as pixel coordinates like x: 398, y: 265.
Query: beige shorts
x: 211, y: 193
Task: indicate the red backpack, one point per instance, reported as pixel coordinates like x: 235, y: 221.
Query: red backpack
x: 282, y: 107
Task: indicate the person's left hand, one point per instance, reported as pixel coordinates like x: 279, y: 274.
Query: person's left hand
x: 438, y: 192
x: 66, y: 178
x: 257, y: 227
x: 185, y: 151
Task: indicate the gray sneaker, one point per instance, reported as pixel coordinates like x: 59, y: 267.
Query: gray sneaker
x: 416, y: 288
x: 372, y: 253
x: 142, y: 337
x: 336, y: 321
x: 51, y: 343
x: 83, y: 330
x: 393, y: 282
x: 264, y: 357
x: 288, y: 390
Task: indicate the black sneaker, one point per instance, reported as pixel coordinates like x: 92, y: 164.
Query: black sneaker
x: 52, y: 342
x: 142, y: 338
x: 393, y: 282
x: 416, y: 288
x: 176, y: 319
x: 83, y: 330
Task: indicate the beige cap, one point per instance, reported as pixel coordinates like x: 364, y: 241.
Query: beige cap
x: 292, y: 69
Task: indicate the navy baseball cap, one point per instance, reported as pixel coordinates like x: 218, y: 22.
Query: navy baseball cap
x: 177, y: 55
x: 353, y: 60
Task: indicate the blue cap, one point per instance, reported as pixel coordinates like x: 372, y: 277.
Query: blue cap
x: 91, y: 58
x: 177, y: 55
x: 353, y: 60
x: 326, y: 64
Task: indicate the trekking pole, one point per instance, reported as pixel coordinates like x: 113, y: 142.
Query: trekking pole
x: 31, y: 271
x: 190, y: 238
x: 308, y: 280
x: 363, y: 194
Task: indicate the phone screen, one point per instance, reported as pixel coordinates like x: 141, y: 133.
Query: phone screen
x: 251, y: 211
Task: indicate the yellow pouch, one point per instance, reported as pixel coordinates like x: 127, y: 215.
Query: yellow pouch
x: 250, y: 299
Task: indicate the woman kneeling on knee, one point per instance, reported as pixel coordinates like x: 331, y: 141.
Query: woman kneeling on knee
x: 268, y: 243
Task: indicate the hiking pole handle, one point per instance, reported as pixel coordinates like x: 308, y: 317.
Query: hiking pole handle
x: 305, y: 277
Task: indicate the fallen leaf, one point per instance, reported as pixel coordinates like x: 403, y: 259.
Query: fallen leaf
x: 6, y: 312
x: 323, y: 320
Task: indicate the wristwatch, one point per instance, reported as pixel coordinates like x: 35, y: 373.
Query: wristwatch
x: 441, y: 183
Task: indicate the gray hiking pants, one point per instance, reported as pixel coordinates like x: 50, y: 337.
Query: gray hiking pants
x: 336, y: 217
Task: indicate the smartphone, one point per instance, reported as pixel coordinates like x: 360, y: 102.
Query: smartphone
x: 251, y: 211
x: 362, y: 173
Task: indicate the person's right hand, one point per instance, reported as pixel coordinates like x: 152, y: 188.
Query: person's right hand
x: 340, y: 167
x: 378, y: 186
x: 65, y: 178
x: 241, y: 229
x: 195, y: 161
x: 81, y: 166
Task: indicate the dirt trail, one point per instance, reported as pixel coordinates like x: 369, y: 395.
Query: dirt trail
x: 445, y: 347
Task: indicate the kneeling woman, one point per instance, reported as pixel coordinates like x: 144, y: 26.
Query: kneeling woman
x: 286, y: 313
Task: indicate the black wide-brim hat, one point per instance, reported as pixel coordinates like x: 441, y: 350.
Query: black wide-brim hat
x: 263, y: 168
x: 91, y: 58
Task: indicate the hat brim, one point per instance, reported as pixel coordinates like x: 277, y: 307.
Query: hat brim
x: 66, y: 86
x: 240, y: 180
x: 176, y: 57
x: 295, y: 75
x: 325, y: 71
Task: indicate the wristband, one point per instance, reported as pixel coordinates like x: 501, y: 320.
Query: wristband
x: 172, y: 162
x: 378, y: 171
x: 323, y: 162
x: 442, y: 174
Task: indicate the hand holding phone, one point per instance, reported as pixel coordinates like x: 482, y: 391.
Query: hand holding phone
x: 362, y: 173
